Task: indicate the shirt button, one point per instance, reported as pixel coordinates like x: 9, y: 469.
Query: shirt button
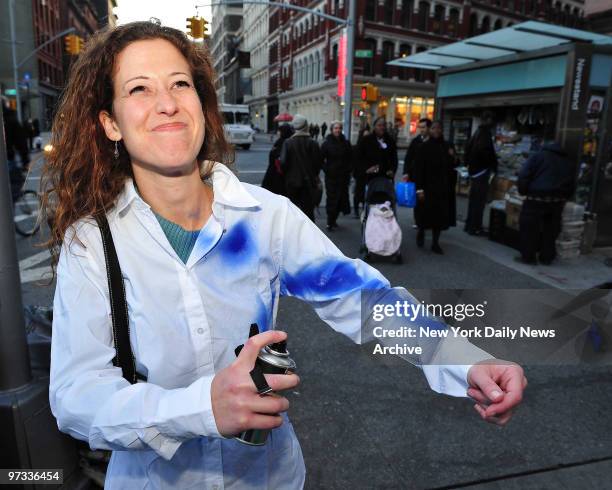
x: 200, y: 330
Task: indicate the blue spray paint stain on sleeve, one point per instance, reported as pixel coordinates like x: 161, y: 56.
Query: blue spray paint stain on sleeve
x: 328, y: 279
x: 237, y: 246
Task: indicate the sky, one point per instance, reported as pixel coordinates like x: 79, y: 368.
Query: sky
x: 172, y: 13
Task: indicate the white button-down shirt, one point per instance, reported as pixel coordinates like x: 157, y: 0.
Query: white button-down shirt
x: 185, y: 321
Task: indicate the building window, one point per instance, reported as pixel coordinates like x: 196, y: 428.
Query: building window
x: 387, y: 56
x: 389, y: 8
x: 368, y: 63
x: 473, y: 25
x: 497, y: 25
x: 334, y: 64
x: 370, y: 10
x: 486, y: 25
x: 404, y: 52
x: 453, y: 23
x: 438, y: 23
x: 423, y: 16
x: 406, y: 13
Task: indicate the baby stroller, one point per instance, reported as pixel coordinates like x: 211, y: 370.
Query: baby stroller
x: 383, y: 237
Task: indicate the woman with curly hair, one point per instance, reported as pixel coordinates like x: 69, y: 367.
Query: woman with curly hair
x: 138, y: 145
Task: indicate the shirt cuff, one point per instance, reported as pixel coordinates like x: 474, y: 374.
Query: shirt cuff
x: 451, y: 379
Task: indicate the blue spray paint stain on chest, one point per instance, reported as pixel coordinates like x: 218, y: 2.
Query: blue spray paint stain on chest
x: 330, y: 278
x: 237, y: 246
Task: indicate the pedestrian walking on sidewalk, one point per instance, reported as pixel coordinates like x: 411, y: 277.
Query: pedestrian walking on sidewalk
x: 547, y: 180
x: 144, y: 360
x: 416, y: 142
x: 274, y: 180
x: 323, y: 129
x: 377, y: 153
x: 481, y: 160
x: 301, y: 163
x: 336, y: 152
x: 410, y: 158
x: 434, y: 167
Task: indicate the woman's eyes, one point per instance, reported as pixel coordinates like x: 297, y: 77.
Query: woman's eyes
x: 139, y: 88
x: 142, y: 88
x: 183, y: 83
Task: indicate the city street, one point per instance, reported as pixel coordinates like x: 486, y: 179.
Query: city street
x: 364, y: 422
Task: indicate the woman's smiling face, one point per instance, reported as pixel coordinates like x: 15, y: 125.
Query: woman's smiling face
x: 156, y: 109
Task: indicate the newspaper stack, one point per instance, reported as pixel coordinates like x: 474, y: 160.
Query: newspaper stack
x: 572, y: 229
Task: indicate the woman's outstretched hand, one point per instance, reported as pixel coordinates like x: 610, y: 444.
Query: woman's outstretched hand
x: 236, y: 404
x: 497, y: 386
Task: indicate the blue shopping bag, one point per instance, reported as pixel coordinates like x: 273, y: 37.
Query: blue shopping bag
x: 406, y: 194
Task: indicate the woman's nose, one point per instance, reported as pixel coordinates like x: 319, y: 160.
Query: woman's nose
x: 166, y: 104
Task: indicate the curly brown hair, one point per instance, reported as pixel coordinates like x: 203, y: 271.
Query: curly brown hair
x: 81, y: 177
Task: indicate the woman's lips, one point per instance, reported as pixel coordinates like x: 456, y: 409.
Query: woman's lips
x: 170, y: 127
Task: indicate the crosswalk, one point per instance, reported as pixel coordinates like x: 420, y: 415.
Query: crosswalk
x: 29, y: 271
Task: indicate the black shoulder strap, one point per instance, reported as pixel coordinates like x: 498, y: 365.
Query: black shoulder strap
x: 119, y: 312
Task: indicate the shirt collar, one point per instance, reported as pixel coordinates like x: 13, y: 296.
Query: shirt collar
x: 228, y: 190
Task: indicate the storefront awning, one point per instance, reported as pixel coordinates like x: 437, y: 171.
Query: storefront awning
x: 520, y: 38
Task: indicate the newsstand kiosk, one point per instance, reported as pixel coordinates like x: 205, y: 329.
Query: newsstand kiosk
x: 540, y: 81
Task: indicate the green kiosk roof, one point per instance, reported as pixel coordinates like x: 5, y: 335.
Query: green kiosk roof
x: 519, y: 38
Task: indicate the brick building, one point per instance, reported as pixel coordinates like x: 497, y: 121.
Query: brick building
x: 303, y: 51
x: 42, y: 76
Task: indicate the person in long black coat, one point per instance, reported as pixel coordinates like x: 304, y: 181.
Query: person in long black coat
x: 273, y: 179
x: 434, y: 171
x: 336, y: 152
x: 378, y: 152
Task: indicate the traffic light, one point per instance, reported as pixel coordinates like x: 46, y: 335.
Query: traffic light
x: 196, y: 27
x: 73, y: 44
x: 369, y: 92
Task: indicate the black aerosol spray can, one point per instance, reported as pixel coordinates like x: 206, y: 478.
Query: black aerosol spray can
x: 272, y: 359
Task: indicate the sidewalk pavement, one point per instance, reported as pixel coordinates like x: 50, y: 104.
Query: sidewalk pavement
x: 583, y: 272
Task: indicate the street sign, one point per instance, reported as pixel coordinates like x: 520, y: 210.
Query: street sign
x: 10, y: 91
x: 363, y: 53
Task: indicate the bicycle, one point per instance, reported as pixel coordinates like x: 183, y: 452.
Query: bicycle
x: 26, y: 213
x: 26, y: 203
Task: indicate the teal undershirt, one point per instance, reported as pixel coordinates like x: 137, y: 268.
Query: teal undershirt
x: 182, y: 240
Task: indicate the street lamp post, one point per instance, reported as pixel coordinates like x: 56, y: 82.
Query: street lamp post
x: 350, y: 59
x: 14, y: 55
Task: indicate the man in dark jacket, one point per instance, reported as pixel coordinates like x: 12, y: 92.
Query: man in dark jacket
x: 481, y: 160
x: 411, y: 153
x: 547, y: 179
x: 301, y: 163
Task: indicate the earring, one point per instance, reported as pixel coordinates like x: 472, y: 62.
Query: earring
x: 116, y: 153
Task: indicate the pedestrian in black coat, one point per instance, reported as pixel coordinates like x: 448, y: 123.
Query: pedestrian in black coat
x: 323, y: 129
x: 433, y: 175
x: 415, y: 143
x: 337, y: 166
x: 547, y: 180
x: 301, y: 163
x: 481, y: 160
x: 378, y: 153
x: 274, y: 180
